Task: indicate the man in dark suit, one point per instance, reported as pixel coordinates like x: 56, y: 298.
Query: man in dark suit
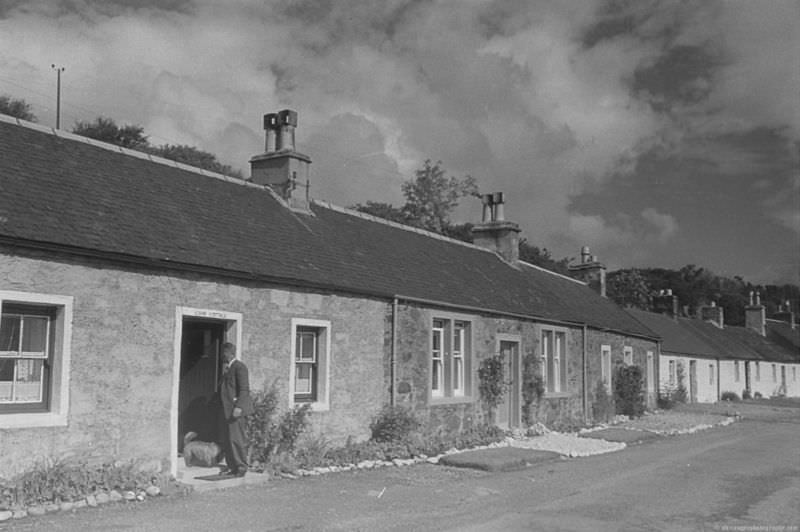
x: 234, y: 395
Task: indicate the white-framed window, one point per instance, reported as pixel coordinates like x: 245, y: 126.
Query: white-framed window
x: 310, y: 366
x: 35, y: 338
x: 758, y: 372
x: 451, y: 358
x: 554, y: 356
x: 627, y: 355
x: 673, y: 373
x: 711, y: 374
x: 605, y: 366
x: 794, y: 374
x: 459, y: 344
x: 736, y: 371
x: 774, y: 373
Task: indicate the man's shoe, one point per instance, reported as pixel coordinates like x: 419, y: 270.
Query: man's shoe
x: 240, y: 473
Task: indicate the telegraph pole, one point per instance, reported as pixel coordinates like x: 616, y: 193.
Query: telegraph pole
x: 58, y: 70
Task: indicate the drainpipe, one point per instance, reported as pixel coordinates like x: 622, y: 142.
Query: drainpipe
x: 393, y: 362
x: 585, y: 375
x: 718, y: 385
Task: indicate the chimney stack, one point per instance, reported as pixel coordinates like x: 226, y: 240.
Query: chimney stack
x: 494, y: 232
x: 755, y: 317
x: 280, y: 167
x: 666, y: 303
x: 714, y: 314
x: 590, y: 271
x: 785, y: 314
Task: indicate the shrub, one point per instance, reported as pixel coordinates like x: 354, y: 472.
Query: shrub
x: 680, y: 394
x: 746, y: 395
x: 64, y: 482
x: 394, y: 424
x: 603, y: 406
x: 758, y: 395
x: 729, y: 396
x: 532, y: 388
x: 492, y: 385
x: 629, y: 391
x: 268, y: 436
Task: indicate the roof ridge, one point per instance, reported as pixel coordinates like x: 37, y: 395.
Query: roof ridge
x: 378, y: 219
x: 551, y: 272
x: 125, y: 151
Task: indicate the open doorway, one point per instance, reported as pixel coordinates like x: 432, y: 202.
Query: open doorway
x: 197, y: 366
x: 201, y: 345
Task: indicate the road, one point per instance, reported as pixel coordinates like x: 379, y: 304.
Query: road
x: 731, y: 478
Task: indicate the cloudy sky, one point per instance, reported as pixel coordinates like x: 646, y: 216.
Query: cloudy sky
x: 660, y: 133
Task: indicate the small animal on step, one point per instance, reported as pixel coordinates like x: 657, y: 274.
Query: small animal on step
x: 200, y: 453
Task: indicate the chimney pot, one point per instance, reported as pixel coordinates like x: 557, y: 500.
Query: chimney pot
x: 486, y: 200
x: 585, y: 254
x: 499, y: 208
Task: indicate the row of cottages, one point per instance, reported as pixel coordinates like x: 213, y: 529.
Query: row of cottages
x: 121, y: 274
x: 710, y: 357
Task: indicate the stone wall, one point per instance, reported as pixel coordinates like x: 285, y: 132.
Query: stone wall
x: 618, y: 342
x: 563, y: 409
x: 121, y: 375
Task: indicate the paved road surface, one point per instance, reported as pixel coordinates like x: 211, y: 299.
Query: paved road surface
x: 744, y: 475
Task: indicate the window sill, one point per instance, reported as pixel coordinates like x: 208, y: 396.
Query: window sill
x: 30, y: 420
x: 315, y: 406
x: 461, y: 399
x: 557, y: 395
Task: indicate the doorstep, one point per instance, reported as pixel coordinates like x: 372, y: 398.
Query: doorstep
x: 189, y: 476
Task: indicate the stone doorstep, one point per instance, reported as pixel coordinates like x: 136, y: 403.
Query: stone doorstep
x: 188, y: 477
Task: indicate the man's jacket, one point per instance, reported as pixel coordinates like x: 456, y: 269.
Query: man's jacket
x: 234, y: 390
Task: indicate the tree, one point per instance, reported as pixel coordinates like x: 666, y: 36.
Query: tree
x: 431, y: 196
x: 629, y: 288
x: 542, y: 257
x: 133, y: 137
x: 17, y: 108
x: 387, y: 211
x: 106, y: 130
x: 193, y: 157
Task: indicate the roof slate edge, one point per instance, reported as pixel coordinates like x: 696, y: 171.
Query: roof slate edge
x: 545, y: 270
x: 396, y: 225
x: 125, y: 151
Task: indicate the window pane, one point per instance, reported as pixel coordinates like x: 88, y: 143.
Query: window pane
x: 458, y: 370
x: 436, y: 380
x: 34, y: 338
x: 9, y: 333
x: 303, y: 382
x: 28, y: 387
x: 561, y: 351
x: 6, y: 379
x: 306, y: 346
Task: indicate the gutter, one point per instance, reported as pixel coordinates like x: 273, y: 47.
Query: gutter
x: 393, y: 361
x: 585, y: 390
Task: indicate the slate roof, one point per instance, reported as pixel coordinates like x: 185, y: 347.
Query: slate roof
x: 83, y: 196
x: 697, y: 338
x: 676, y: 337
x: 783, y: 334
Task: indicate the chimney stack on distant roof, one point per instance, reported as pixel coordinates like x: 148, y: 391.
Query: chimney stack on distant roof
x: 785, y: 314
x: 755, y: 316
x: 590, y: 271
x: 280, y: 167
x: 714, y: 314
x: 666, y: 303
x: 494, y: 232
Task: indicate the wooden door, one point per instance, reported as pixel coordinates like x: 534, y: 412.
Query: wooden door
x: 692, y: 381
x: 509, y: 412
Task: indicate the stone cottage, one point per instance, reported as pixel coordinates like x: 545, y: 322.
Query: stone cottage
x: 121, y: 274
